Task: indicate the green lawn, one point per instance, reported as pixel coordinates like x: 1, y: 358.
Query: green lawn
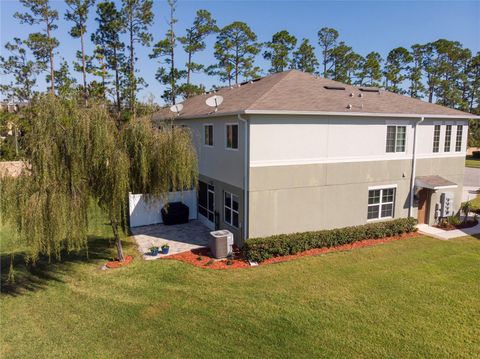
x: 412, y: 298
x: 471, y: 162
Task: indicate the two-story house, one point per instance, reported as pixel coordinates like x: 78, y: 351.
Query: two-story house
x: 294, y: 152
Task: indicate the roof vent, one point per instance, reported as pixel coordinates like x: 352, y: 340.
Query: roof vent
x: 349, y: 106
x: 333, y: 87
x: 351, y: 94
x: 250, y: 81
x: 360, y: 95
x: 369, y: 89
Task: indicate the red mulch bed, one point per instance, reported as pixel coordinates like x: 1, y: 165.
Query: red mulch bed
x: 451, y: 227
x: 118, y: 264
x: 201, y: 257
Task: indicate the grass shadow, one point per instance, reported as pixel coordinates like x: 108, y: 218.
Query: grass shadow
x: 28, y: 277
x: 476, y: 236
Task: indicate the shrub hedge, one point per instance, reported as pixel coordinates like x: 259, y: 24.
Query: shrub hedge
x: 260, y: 249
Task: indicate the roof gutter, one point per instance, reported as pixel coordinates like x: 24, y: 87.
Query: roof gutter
x: 414, y: 166
x: 246, y: 167
x: 326, y: 113
x: 356, y: 114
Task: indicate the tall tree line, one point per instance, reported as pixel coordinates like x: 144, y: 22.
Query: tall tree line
x: 442, y: 71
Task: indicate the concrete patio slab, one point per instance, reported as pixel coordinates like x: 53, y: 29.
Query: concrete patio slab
x: 180, y: 238
x: 446, y: 235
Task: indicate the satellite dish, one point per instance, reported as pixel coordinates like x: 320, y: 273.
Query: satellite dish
x: 214, y: 101
x: 176, y: 108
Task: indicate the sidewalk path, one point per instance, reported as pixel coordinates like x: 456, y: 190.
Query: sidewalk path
x: 471, y: 177
x: 445, y: 235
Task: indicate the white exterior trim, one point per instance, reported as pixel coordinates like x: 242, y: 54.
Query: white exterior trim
x: 361, y: 114
x: 398, y: 122
x: 386, y: 157
x: 388, y: 186
x: 327, y: 113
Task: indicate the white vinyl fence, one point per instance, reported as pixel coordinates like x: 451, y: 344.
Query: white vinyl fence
x: 144, y: 212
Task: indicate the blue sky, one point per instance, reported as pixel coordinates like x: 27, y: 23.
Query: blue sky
x: 364, y: 25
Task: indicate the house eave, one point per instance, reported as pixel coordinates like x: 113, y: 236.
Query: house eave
x: 357, y: 114
x: 326, y: 113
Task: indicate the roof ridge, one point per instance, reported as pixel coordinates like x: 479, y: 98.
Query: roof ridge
x: 285, y: 75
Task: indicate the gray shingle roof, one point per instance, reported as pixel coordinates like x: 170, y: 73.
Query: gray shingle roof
x: 299, y: 92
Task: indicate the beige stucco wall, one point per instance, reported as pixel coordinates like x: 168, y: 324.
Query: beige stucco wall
x: 290, y: 139
x: 218, y: 162
x: 313, y: 172
x: 285, y: 199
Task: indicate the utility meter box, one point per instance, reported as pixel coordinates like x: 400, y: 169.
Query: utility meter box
x: 446, y: 204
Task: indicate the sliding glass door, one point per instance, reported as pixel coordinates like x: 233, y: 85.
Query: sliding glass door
x: 206, y: 204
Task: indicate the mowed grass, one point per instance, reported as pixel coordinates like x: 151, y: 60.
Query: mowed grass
x: 476, y: 202
x: 412, y: 298
x: 471, y: 162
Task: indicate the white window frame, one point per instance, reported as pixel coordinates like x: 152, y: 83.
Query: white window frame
x: 459, y: 146
x: 226, y: 136
x: 212, y: 191
x: 381, y: 188
x: 396, y: 125
x: 230, y: 209
x: 448, y: 136
x: 213, y: 134
x: 439, y: 137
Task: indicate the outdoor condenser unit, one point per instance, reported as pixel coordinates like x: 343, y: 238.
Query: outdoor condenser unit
x: 446, y: 202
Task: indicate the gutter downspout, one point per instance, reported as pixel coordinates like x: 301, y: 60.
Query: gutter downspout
x: 414, y: 166
x: 246, y: 163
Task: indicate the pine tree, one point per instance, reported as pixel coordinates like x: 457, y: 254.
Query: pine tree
x: 78, y: 13
x: 41, y: 44
x: 165, y: 50
x: 449, y: 58
x: 194, y: 41
x: 110, y: 48
x: 415, y: 72
x: 235, y: 51
x: 304, y: 58
x: 23, y: 71
x: 395, y: 69
x: 345, y: 64
x: 371, y: 71
x: 279, y: 51
x: 138, y: 17
x: 327, y: 39
x: 65, y: 84
x: 473, y: 94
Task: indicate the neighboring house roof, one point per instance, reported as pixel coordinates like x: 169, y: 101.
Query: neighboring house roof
x: 296, y: 92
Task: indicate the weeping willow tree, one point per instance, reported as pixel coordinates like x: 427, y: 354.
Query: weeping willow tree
x: 74, y: 154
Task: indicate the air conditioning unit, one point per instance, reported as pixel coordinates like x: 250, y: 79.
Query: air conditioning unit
x: 446, y: 202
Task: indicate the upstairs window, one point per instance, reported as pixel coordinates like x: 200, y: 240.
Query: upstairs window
x: 396, y: 138
x: 381, y: 203
x: 232, y: 136
x: 436, y: 138
x: 458, y: 141
x: 208, y: 135
x: 448, y: 138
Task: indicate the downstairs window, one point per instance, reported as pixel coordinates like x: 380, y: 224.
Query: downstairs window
x: 381, y: 203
